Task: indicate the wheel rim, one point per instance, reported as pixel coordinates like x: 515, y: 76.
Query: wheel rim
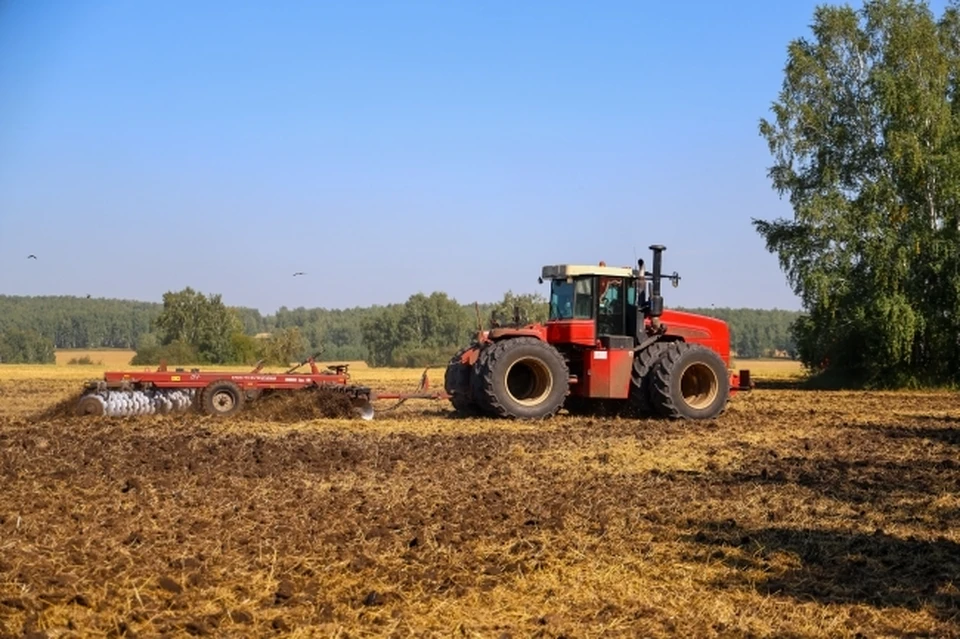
x: 528, y: 381
x: 699, y: 385
x: 223, y: 401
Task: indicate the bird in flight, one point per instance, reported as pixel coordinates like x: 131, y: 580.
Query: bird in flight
x: 299, y: 273
x: 31, y: 257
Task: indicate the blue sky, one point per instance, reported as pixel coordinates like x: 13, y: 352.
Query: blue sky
x: 386, y: 148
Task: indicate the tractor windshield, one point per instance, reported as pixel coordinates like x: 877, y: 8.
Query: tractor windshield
x: 571, y: 300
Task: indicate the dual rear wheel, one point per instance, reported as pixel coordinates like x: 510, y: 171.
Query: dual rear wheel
x: 677, y: 380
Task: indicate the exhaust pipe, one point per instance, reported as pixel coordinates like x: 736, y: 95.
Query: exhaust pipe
x: 656, y: 299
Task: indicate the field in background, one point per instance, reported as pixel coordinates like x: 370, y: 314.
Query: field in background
x: 110, y: 357
x: 771, y: 368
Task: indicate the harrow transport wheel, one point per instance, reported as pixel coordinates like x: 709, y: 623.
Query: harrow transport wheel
x: 90, y: 405
x: 640, y: 381
x: 523, y: 378
x: 456, y: 383
x: 222, y: 398
x: 689, y: 382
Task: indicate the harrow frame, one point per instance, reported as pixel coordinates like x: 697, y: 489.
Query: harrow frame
x: 251, y: 384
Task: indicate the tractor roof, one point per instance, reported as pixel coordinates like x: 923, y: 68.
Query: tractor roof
x: 563, y: 271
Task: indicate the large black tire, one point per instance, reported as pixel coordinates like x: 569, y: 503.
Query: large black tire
x: 456, y: 382
x: 689, y: 382
x: 477, y: 386
x: 640, y: 381
x: 222, y: 399
x: 521, y: 378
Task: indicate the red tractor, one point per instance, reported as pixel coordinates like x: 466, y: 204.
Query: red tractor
x: 608, y: 346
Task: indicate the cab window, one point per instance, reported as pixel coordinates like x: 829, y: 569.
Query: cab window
x: 583, y: 299
x: 610, y: 314
x: 571, y: 300
x: 561, y: 300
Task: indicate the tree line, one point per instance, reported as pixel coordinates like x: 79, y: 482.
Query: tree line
x: 191, y: 327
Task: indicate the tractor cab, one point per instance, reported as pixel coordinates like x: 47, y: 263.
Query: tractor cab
x: 603, y: 297
x: 605, y: 304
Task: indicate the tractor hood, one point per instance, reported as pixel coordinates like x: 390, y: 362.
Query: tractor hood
x: 699, y: 329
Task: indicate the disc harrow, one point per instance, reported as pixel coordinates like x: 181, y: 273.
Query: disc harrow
x: 163, y: 391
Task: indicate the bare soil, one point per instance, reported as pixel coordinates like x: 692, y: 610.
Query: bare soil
x: 795, y: 514
x: 299, y: 406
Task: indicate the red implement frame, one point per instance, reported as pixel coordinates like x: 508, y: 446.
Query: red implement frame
x: 335, y: 377
x: 254, y: 380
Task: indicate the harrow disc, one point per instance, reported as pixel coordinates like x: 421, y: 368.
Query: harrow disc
x: 364, y: 409
x: 136, y: 402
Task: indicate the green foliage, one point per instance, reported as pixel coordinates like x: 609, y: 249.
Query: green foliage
x: 147, y: 341
x: 865, y: 144
x: 20, y: 346
x: 176, y: 352
x: 203, y: 322
x: 86, y: 360
x: 532, y: 308
x: 244, y: 349
x: 72, y: 322
x: 284, y: 346
x: 757, y: 333
x: 424, y: 330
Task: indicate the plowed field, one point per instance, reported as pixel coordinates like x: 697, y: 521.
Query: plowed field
x: 795, y: 514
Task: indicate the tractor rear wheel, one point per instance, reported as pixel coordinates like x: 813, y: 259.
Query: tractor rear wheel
x: 222, y: 398
x: 640, y: 381
x: 521, y: 378
x: 689, y: 382
x: 456, y: 382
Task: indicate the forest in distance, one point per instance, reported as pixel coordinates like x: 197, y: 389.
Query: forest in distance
x: 419, y: 331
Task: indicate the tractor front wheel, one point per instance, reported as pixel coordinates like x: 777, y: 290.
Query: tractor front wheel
x: 689, y: 381
x: 222, y: 399
x: 521, y: 378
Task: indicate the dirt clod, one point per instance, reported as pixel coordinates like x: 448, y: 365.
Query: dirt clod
x: 241, y: 616
x: 373, y: 598
x: 170, y: 585
x: 284, y: 591
x: 304, y: 405
x: 198, y: 628
x: 66, y: 407
x: 81, y: 600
